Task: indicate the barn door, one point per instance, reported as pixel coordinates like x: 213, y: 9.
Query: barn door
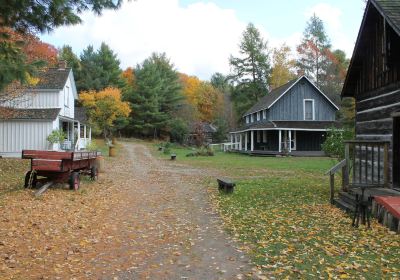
x: 396, y: 152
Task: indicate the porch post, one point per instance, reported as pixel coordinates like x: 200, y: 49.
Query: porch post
x: 252, y: 141
x: 240, y: 141
x: 237, y: 142
x: 290, y: 141
x: 79, y: 134
x: 245, y: 140
x: 90, y: 134
x: 280, y: 141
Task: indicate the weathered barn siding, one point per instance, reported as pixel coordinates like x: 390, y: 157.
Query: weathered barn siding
x: 17, y: 135
x: 291, y: 105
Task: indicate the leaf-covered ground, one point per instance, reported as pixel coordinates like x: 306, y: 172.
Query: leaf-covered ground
x: 144, y: 219
x: 280, y: 211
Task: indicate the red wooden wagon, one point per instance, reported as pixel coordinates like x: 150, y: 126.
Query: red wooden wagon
x: 60, y: 167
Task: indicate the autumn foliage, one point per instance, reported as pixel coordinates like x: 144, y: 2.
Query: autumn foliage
x: 105, y: 107
x: 205, y: 99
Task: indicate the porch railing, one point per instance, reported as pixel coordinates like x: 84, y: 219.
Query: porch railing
x: 367, y: 163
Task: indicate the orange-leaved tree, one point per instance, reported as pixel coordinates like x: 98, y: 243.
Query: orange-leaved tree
x: 105, y: 108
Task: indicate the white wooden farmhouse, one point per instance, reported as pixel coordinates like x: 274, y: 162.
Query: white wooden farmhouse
x: 48, y: 106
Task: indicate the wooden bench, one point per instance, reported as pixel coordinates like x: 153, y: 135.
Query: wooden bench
x: 226, y: 185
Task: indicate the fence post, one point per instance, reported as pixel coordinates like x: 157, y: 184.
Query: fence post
x: 386, y: 165
x: 332, y: 181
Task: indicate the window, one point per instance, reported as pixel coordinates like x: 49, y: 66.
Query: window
x: 247, y: 119
x: 258, y: 136
x: 66, y: 96
x: 258, y: 116
x: 264, y: 114
x: 309, y: 109
x: 251, y: 118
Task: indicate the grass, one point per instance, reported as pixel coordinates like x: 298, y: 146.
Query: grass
x: 281, y: 214
x: 12, y: 174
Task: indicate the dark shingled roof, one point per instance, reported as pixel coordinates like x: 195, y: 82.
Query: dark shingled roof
x: 270, y: 98
x: 35, y: 114
x: 206, y: 127
x: 81, y: 115
x: 292, y: 124
x: 391, y: 10
x: 53, y: 78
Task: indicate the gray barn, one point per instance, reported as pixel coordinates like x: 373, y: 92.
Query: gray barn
x: 290, y: 119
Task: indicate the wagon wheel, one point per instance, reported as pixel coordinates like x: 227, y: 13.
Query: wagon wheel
x: 74, y: 181
x: 27, y: 177
x: 94, y: 173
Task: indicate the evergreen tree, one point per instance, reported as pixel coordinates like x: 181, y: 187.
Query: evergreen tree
x: 313, y: 60
x: 156, y: 96
x: 66, y: 53
x: 251, y: 71
x: 30, y: 17
x: 99, y: 70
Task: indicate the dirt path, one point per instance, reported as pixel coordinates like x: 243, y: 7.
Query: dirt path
x: 144, y: 219
x: 174, y: 222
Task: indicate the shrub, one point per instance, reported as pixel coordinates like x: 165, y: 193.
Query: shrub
x: 334, y: 143
x: 91, y: 146
x: 179, y: 130
x: 56, y: 136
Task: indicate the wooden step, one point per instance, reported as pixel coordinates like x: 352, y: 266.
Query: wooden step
x: 343, y: 205
x: 348, y: 198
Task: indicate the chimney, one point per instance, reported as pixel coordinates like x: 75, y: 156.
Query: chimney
x: 62, y: 64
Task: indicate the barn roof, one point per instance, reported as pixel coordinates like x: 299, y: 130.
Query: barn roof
x: 53, y: 78
x: 268, y: 100
x: 35, y: 114
x: 390, y: 10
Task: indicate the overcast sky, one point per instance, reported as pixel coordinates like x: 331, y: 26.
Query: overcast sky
x: 199, y: 36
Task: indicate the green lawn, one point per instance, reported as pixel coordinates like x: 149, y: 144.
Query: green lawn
x: 280, y: 213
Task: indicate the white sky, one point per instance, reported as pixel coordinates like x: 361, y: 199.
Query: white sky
x: 197, y: 36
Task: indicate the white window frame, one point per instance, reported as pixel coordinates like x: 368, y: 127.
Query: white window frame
x: 258, y: 116
x: 66, y: 96
x: 313, y: 108
x: 251, y: 118
x: 264, y: 113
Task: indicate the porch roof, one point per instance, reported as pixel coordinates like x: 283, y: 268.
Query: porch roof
x: 294, y: 125
x: 34, y: 114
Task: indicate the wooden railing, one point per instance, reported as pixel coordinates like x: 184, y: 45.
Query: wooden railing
x: 341, y: 166
x: 367, y: 163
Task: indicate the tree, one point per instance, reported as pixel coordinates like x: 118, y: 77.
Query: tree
x: 99, y: 69
x: 44, y: 16
x: 156, y: 96
x: 283, y: 66
x: 250, y: 71
x: 65, y: 53
x: 105, y: 108
x: 312, y: 51
x: 220, y: 82
x: 29, y: 17
x: 209, y: 102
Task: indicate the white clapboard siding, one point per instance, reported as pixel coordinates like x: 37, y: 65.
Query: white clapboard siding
x: 43, y: 99
x: 18, y: 135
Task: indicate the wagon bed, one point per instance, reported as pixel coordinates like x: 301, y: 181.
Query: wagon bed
x: 58, y: 167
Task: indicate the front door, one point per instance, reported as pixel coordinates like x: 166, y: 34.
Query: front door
x: 396, y: 152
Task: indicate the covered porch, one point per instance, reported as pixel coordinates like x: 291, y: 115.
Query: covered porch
x: 279, y: 141
x: 78, y: 135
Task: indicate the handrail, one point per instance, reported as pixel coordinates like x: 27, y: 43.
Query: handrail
x: 337, y: 167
